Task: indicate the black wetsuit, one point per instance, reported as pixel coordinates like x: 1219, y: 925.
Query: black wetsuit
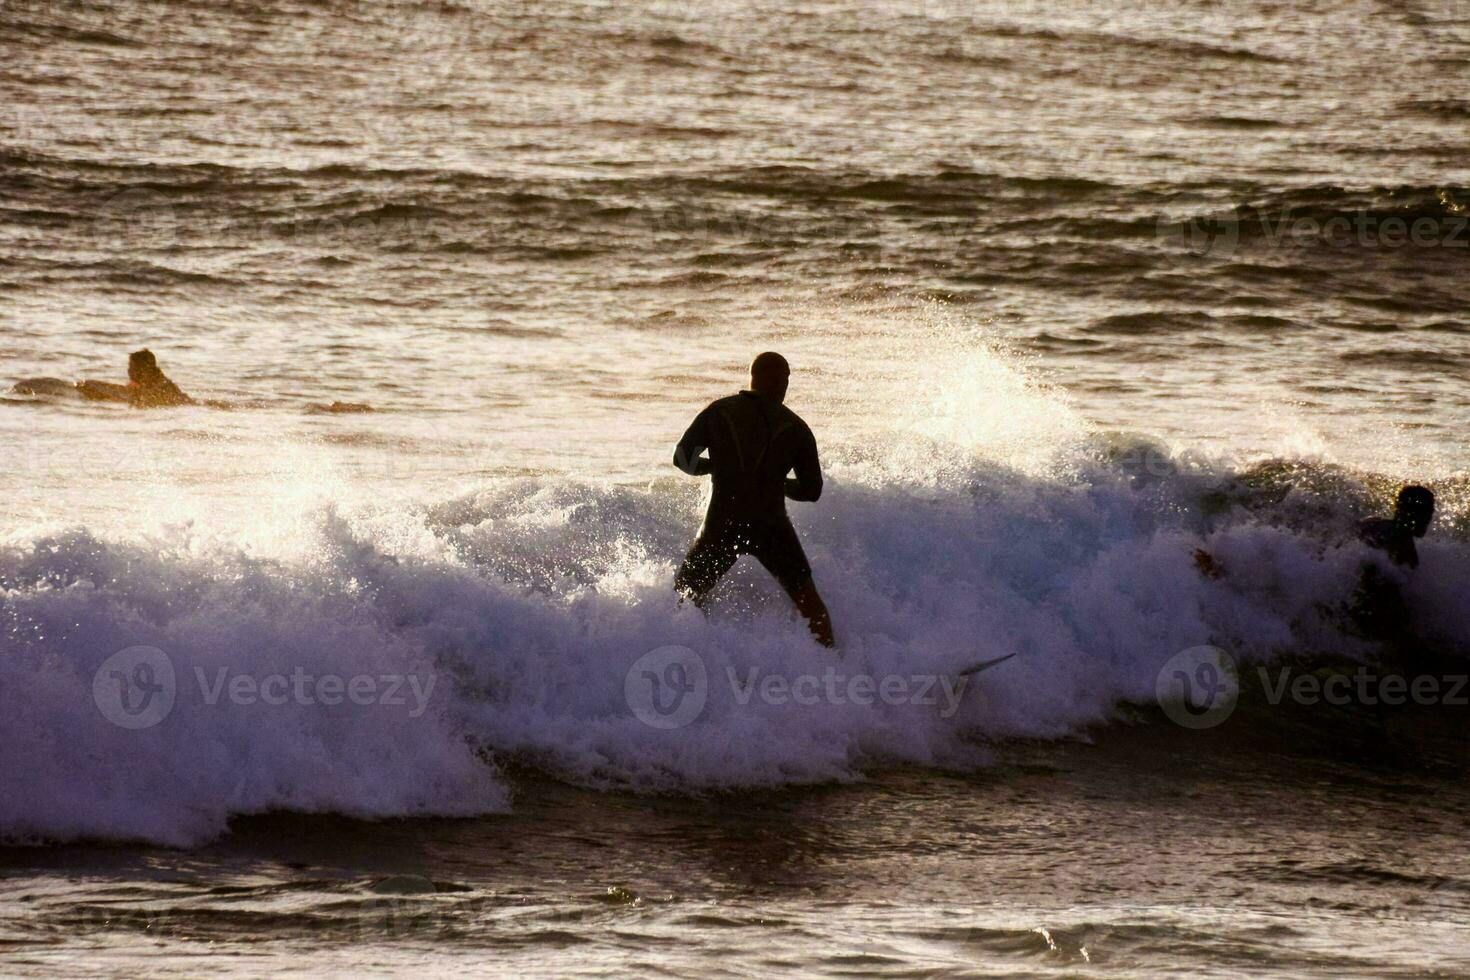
x: 753, y: 442
x: 1379, y: 606
x: 1391, y: 537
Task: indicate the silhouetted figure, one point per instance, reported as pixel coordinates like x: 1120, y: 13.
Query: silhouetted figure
x: 1379, y: 606
x: 1395, y: 535
x: 148, y: 386
x: 754, y: 441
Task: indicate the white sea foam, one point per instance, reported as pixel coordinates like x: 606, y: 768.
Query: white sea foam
x: 509, y: 624
x: 528, y: 603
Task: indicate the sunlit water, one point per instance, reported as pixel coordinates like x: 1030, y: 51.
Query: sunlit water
x: 1070, y: 290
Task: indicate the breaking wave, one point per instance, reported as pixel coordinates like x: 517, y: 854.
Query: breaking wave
x: 517, y: 621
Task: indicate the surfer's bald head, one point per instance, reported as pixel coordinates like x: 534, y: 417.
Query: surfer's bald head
x: 769, y: 375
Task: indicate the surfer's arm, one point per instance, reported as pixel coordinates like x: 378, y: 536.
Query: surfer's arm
x: 103, y: 391
x: 807, y: 487
x: 696, y: 440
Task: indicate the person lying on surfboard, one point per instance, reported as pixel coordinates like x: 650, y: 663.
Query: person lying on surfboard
x: 147, y: 387
x: 754, y: 441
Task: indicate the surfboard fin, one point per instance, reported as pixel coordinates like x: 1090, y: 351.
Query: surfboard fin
x: 975, y: 668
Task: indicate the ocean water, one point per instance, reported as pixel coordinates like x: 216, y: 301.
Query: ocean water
x: 1070, y: 290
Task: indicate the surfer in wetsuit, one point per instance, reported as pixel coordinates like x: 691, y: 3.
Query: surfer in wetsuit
x: 1379, y: 605
x: 754, y: 441
x: 147, y: 387
x: 1395, y: 535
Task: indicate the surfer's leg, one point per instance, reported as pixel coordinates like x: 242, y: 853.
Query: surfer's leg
x: 708, y: 560
x: 779, y: 550
x: 809, y: 603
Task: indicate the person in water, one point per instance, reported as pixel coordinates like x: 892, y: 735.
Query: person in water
x: 1395, y: 535
x: 754, y: 442
x: 147, y: 387
x: 1379, y: 606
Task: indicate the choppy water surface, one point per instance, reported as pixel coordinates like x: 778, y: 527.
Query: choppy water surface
x: 1071, y: 289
